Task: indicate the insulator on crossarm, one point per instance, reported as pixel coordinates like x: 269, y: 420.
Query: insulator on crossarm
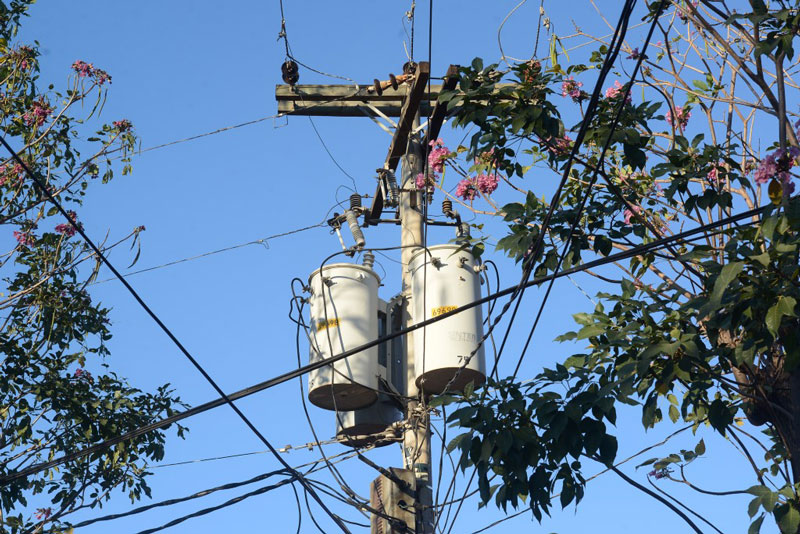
x: 392, y: 192
x: 447, y: 206
x: 290, y: 72
x: 355, y: 229
x: 355, y: 201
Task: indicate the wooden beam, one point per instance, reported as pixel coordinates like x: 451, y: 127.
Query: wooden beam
x: 440, y: 111
x: 400, y: 139
x: 409, y: 111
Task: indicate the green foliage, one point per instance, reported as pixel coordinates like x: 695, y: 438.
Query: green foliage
x: 704, y: 333
x: 57, y: 393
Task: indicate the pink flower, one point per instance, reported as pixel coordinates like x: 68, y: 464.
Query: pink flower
x: 635, y: 53
x: 681, y: 118
x: 8, y: 174
x: 26, y: 54
x: 69, y: 229
x: 438, y: 154
x: 559, y: 146
x: 571, y: 88
x: 38, y: 113
x: 466, y: 189
x: 616, y: 91
x: 423, y: 183
x: 43, y: 513
x: 83, y: 374
x: 122, y: 125
x: 26, y: 239
x: 83, y: 69
x: 713, y: 176
x: 630, y: 214
x: 87, y: 70
x: 777, y: 165
x: 487, y: 183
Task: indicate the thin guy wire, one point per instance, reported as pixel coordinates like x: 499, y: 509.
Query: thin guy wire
x: 79, y: 229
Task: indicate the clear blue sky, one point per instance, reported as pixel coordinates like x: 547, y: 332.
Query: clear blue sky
x: 182, y: 68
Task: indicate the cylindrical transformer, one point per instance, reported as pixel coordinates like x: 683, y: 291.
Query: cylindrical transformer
x: 343, y: 304
x: 443, y: 278
x: 360, y: 428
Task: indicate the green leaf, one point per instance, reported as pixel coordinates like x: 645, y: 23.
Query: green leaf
x: 788, y: 518
x: 700, y: 449
x: 608, y: 449
x: 592, y: 330
x: 784, y: 306
x: 755, y: 526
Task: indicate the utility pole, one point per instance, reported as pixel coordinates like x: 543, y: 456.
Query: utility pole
x: 408, y: 102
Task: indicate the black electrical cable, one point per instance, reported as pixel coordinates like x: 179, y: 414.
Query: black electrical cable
x: 41, y: 185
x: 591, y: 109
x: 686, y: 236
x: 535, y: 248
x: 565, y: 250
x: 294, y: 477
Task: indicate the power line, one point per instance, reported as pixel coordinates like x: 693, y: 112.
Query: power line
x: 99, y: 254
x: 231, y: 485
x: 686, y: 236
x: 263, y: 241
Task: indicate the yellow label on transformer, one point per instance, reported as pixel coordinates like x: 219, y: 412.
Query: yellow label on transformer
x: 322, y: 325
x: 441, y: 310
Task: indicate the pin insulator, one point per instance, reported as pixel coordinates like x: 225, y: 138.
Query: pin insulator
x: 447, y: 206
x: 290, y: 72
x: 355, y: 201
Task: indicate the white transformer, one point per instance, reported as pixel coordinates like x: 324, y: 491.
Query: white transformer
x: 444, y: 278
x: 343, y: 307
x: 359, y: 428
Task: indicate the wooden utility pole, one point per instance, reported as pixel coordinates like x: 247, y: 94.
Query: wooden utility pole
x: 407, y: 102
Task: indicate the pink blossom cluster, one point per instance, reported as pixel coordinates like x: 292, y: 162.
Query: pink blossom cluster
x: 559, y: 146
x: 83, y: 374
x: 616, y: 91
x: 438, y: 154
x: 467, y: 189
x: 68, y: 230
x: 658, y: 473
x: 87, y: 70
x: 43, y: 514
x: 487, y: 183
x: 713, y: 176
x: 122, y: 125
x: 38, y: 113
x: 10, y: 174
x: 571, y: 88
x: 680, y: 119
x: 26, y: 239
x: 630, y: 214
x: 423, y: 183
x: 777, y: 165
x: 25, y: 55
